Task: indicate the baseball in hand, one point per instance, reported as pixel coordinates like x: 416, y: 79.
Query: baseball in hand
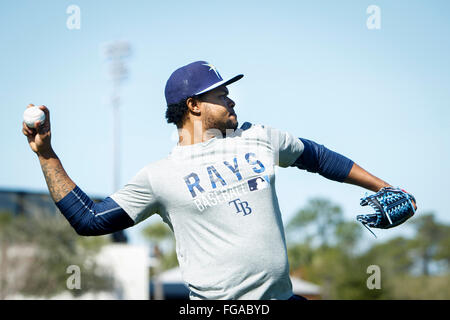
x: 33, y: 114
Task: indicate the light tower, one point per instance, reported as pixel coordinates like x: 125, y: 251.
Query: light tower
x: 116, y: 52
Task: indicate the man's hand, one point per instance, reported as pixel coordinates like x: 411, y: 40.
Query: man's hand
x: 40, y: 136
x: 58, y: 182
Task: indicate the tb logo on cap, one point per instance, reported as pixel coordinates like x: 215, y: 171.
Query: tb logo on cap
x: 211, y: 67
x: 194, y: 79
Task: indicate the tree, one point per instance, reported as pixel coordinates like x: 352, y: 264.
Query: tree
x: 163, y: 244
x: 160, y: 234
x: 321, y: 250
x: 393, y: 256
x: 443, y: 247
x: 429, y: 241
x: 323, y: 253
x: 316, y: 222
x: 347, y: 234
x: 36, y: 252
x: 300, y: 255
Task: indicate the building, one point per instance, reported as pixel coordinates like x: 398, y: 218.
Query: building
x: 21, y: 202
x: 126, y: 264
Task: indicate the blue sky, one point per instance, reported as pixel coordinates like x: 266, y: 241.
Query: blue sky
x: 313, y: 68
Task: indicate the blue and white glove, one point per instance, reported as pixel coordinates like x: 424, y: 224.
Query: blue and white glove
x: 392, y: 206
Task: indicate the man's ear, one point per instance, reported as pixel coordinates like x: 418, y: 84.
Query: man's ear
x: 193, y: 106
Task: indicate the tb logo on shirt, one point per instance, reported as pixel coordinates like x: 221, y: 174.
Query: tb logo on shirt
x: 241, y: 206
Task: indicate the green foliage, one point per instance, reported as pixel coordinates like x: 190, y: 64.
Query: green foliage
x: 347, y: 234
x: 393, y: 256
x: 325, y: 254
x: 300, y: 254
x: 421, y: 287
x: 322, y: 249
x: 163, y: 240
x: 158, y: 232
x: 315, y: 222
x: 443, y: 247
x: 36, y: 251
x: 430, y: 240
x: 169, y: 260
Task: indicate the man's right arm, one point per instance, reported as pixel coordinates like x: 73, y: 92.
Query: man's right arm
x: 85, y: 216
x: 58, y: 182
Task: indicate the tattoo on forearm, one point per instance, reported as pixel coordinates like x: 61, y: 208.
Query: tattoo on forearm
x: 58, y: 182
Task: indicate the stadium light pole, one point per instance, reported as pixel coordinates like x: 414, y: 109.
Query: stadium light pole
x: 116, y: 52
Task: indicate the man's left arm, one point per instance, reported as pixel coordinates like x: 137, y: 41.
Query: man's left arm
x: 360, y: 177
x: 334, y: 166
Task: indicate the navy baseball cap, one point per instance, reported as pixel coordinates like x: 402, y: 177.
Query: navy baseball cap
x: 194, y: 79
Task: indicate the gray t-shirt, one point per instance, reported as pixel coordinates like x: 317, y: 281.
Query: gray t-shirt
x: 219, y: 199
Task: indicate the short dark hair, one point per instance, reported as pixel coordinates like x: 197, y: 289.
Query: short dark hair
x: 176, y: 112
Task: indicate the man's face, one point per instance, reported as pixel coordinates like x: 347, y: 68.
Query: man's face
x: 218, y: 110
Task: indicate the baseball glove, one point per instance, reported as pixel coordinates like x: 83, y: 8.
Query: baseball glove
x: 392, y: 207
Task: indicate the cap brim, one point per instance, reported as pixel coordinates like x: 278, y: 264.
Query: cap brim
x: 221, y: 83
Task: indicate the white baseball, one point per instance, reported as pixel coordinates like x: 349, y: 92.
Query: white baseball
x: 33, y: 114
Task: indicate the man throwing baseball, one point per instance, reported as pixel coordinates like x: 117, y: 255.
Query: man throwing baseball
x: 215, y: 190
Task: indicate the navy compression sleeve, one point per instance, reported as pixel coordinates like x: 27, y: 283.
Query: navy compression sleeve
x: 92, y: 219
x: 329, y: 164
